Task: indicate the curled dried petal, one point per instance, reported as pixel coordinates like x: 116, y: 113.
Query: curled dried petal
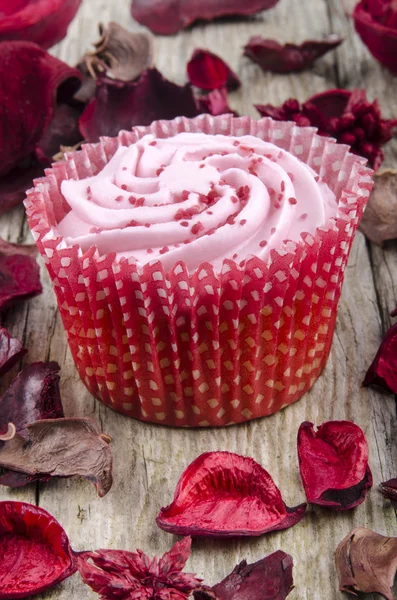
x: 33, y: 543
x: 269, y: 578
x: 11, y: 351
x: 222, y: 494
x: 209, y: 72
x: 122, y: 575
x: 379, y: 221
x: 44, y: 22
x: 389, y: 489
x: 383, y: 370
x: 122, y: 105
x: 61, y: 448
x: 19, y: 274
x: 366, y: 562
x: 376, y: 23
x: 272, y: 56
x: 333, y: 463
x: 168, y: 17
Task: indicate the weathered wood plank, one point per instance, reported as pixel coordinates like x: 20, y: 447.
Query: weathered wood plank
x: 149, y: 459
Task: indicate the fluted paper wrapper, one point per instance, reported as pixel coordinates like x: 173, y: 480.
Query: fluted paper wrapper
x: 207, y: 348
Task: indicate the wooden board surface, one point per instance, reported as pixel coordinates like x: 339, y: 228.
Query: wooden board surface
x: 149, y: 459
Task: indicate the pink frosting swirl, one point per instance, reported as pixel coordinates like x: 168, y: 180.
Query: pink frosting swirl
x: 196, y: 197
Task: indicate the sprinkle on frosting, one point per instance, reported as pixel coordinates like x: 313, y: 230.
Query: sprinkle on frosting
x: 196, y: 197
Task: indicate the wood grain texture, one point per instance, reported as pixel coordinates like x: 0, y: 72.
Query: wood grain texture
x: 148, y: 459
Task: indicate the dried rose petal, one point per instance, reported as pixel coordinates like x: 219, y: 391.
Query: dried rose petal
x: 11, y: 351
x: 379, y: 221
x: 366, y: 562
x: 33, y: 395
x: 333, y: 463
x: 266, y: 579
x: 32, y: 543
x: 210, y: 72
x: 62, y: 131
x: 33, y: 83
x: 222, y: 494
x: 44, y: 22
x: 215, y: 103
x: 19, y: 275
x: 122, y: 575
x: 346, y: 115
x: 376, y: 23
x: 389, y: 489
x: 61, y: 448
x: 167, y: 16
x: 122, y: 105
x: 383, y: 370
x: 272, y: 56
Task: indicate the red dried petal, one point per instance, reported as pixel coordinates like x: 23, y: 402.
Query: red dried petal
x: 33, y: 543
x: 44, y: 22
x: 383, y: 370
x: 33, y: 395
x: 168, y: 16
x: 62, y: 131
x: 13, y: 186
x: 215, y: 103
x: 31, y: 82
x: 209, y: 72
x: 389, y: 489
x: 333, y: 463
x: 11, y: 351
x: 266, y: 579
x: 122, y: 575
x: 378, y: 30
x: 272, y: 56
x: 122, y: 105
x: 19, y: 275
x: 222, y: 494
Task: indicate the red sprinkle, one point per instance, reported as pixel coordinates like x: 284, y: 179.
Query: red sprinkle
x: 124, y: 168
x: 271, y: 191
x: 95, y: 230
x: 236, y: 143
x: 291, y: 176
x: 263, y: 243
x: 303, y: 217
x: 164, y: 250
x: 273, y: 230
x: 209, y: 212
x: 149, y: 251
x: 235, y: 256
x: 131, y: 200
x: 159, y: 171
x: 282, y: 186
x: 140, y: 202
x: 202, y: 166
x: 243, y: 192
x: 197, y: 227
x: 292, y: 200
x: 119, y: 198
x: 184, y: 223
x: 317, y: 178
x: 280, y: 155
x: 153, y: 143
x: 123, y: 187
x: 243, y: 221
x: 185, y: 194
x: 133, y: 223
x: 234, y: 199
x: 88, y: 189
x: 147, y: 225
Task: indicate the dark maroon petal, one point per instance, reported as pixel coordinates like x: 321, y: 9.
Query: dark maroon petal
x: 331, y: 103
x: 210, y: 72
x: 379, y: 34
x: 170, y: 16
x: 383, y: 370
x: 267, y: 579
x: 19, y: 276
x: 31, y: 82
x: 118, y: 574
x: 62, y: 131
x: 333, y: 463
x: 44, y: 22
x: 222, y: 494
x: 122, y: 105
x: 33, y: 395
x: 272, y: 56
x: 215, y: 103
x: 389, y: 489
x: 11, y: 351
x: 13, y: 186
x: 44, y: 555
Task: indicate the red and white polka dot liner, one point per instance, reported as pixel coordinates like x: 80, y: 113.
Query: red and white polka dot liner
x: 205, y: 349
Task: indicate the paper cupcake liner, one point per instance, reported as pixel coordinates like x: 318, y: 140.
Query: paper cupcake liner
x: 207, y: 348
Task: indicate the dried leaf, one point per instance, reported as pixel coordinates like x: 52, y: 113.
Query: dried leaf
x: 167, y: 16
x: 11, y: 351
x: 120, y: 54
x: 379, y: 221
x: 272, y: 56
x: 122, y: 105
x: 267, y: 579
x: 122, y: 575
x: 366, y: 562
x: 61, y: 448
x: 19, y: 274
x: 208, y: 71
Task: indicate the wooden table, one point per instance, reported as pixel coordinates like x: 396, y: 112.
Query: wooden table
x: 149, y: 459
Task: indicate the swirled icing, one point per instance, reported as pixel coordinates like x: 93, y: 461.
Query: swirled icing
x: 196, y: 197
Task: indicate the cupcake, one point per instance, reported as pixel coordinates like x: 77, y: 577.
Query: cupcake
x: 198, y: 263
